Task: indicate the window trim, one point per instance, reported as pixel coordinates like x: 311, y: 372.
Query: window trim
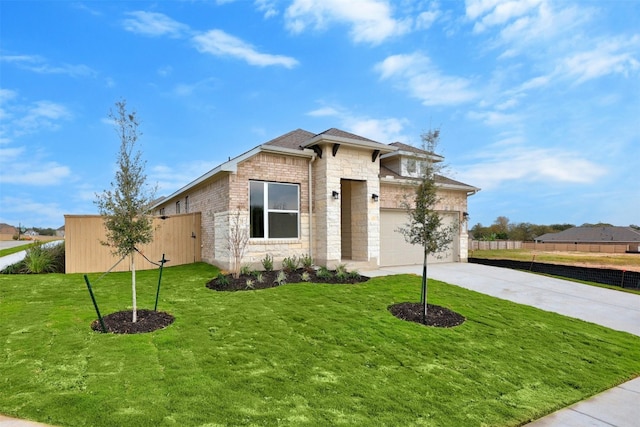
x: 267, y: 210
x: 178, y: 207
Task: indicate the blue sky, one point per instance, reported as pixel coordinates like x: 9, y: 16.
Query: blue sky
x: 538, y: 101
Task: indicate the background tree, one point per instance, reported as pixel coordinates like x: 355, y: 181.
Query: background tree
x: 425, y: 225
x: 126, y: 207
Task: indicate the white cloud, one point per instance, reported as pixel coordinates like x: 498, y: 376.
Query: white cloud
x: 172, y: 178
x: 23, y: 119
x: 268, y: 7
x: 385, y: 130
x: 371, y: 21
x: 530, y: 164
x: 219, y: 43
x: 15, y: 210
x: 614, y: 56
x: 153, y: 24
x: 416, y: 74
x: 40, y: 65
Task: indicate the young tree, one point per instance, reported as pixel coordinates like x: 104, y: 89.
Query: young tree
x: 126, y: 207
x: 425, y: 225
x: 237, y: 239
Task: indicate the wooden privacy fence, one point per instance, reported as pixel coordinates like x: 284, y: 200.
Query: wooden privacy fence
x: 610, y: 248
x: 177, y: 236
x: 494, y: 244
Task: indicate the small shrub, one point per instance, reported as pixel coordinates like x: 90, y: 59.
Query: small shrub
x: 290, y: 264
x: 342, y: 275
x: 267, y: 263
x: 306, y: 277
x: 306, y: 261
x: 249, y: 284
x: 259, y: 277
x: 341, y: 268
x: 281, y: 279
x: 222, y: 279
x: 245, y: 270
x: 39, y: 260
x: 324, y: 273
x: 354, y: 275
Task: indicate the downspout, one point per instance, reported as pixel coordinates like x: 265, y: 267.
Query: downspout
x: 313, y: 159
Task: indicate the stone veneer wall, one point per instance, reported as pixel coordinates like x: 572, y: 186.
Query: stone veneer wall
x: 354, y: 164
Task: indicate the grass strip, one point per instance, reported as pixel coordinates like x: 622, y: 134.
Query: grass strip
x: 298, y: 354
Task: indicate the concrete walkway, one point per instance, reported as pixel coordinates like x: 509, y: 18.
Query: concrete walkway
x: 617, y: 407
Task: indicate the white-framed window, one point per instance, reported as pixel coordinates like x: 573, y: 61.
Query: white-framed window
x: 186, y: 204
x: 178, y: 207
x: 274, y: 210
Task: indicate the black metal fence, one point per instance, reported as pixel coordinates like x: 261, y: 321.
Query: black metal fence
x: 621, y: 278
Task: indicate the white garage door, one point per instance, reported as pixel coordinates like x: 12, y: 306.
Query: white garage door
x: 394, y: 250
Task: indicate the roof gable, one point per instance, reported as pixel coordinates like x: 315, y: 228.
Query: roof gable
x: 293, y: 139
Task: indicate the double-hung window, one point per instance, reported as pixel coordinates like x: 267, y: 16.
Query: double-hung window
x: 275, y: 210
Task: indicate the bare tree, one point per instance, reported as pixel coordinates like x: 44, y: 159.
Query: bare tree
x: 126, y: 207
x: 237, y: 239
x: 425, y: 225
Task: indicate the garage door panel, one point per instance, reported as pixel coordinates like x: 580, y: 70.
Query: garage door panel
x: 394, y: 249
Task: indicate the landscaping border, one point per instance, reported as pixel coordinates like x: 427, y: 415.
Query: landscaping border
x: 606, y: 276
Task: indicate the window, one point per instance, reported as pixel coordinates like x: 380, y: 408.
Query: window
x: 161, y: 211
x: 178, y: 207
x: 274, y: 210
x: 186, y: 204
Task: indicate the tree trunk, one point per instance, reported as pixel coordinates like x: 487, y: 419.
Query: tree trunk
x: 423, y: 299
x: 133, y: 289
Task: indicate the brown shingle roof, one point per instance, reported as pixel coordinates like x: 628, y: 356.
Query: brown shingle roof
x: 593, y: 235
x: 385, y: 171
x: 343, y: 134
x: 293, y: 139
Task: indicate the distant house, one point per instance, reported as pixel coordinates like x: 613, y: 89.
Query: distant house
x: 60, y: 232
x: 7, y: 232
x: 595, y: 235
x: 334, y: 195
x: 31, y: 233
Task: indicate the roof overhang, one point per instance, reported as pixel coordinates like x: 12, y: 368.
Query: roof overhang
x: 469, y: 189
x: 349, y: 142
x: 231, y: 166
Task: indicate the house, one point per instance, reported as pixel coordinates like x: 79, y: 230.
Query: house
x: 596, y: 235
x: 60, y: 231
x: 334, y: 195
x: 8, y: 232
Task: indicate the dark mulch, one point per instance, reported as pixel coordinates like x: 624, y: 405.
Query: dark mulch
x: 269, y: 280
x: 120, y: 322
x: 436, y: 316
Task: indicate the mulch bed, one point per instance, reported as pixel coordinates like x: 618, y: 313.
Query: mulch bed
x: 269, y: 280
x: 436, y: 316
x: 120, y: 322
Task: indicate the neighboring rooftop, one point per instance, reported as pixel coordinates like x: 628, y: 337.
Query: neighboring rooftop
x: 598, y: 234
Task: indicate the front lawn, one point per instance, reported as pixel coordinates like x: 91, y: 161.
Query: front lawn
x: 298, y: 354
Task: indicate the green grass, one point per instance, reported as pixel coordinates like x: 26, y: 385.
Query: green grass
x: 299, y: 354
x: 16, y: 249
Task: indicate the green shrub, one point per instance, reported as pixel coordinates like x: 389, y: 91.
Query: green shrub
x: 342, y: 275
x: 249, y: 284
x: 39, y: 259
x: 354, y: 275
x: 324, y: 273
x: 259, y: 277
x: 306, y: 277
x: 290, y: 264
x: 222, y: 279
x: 245, y: 270
x: 281, y: 279
x: 306, y: 261
x: 267, y: 263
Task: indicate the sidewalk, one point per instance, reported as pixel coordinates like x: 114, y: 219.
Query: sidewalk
x: 617, y: 407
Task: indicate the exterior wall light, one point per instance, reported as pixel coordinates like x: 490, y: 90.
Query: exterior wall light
x: 335, y: 195
x: 375, y: 197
